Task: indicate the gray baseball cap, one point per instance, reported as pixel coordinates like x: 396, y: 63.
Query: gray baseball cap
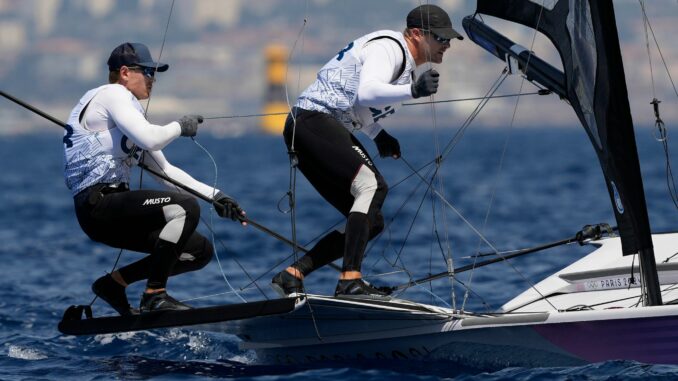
x: 432, y: 18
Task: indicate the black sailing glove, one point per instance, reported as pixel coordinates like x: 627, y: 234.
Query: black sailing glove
x: 387, y: 145
x: 426, y: 84
x: 227, y: 207
x: 189, y: 124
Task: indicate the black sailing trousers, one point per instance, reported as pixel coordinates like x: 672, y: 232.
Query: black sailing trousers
x: 160, y: 223
x: 340, y: 169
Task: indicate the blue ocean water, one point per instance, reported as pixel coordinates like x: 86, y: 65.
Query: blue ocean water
x: 549, y: 186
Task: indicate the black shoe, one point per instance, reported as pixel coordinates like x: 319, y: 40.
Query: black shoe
x: 285, y: 284
x: 113, y: 293
x: 358, y: 288
x: 161, y: 301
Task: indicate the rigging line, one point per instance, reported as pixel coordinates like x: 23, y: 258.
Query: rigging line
x: 372, y: 242
x: 293, y: 157
x: 663, y: 139
x: 588, y: 234
x: 162, y: 47
x: 666, y: 67
x: 300, y: 36
x: 647, y: 47
x: 117, y: 259
x: 455, y: 139
x: 409, y: 231
x: 197, y: 194
x: 209, y: 225
x: 483, y: 302
x: 178, y: 186
x: 387, y: 227
x: 491, y: 201
x: 513, y: 118
x: 442, y: 198
x: 291, y: 193
x: 437, y: 176
x: 460, y: 132
x: 428, y: 18
x: 211, y: 216
x: 435, y: 237
x: 207, y: 199
x: 428, y: 52
x: 223, y: 245
x: 135, y: 148
x: 659, y: 124
x: 447, y: 255
x: 245, y: 115
x: 501, y: 161
x: 670, y: 182
x: 477, y: 98
x: 542, y: 92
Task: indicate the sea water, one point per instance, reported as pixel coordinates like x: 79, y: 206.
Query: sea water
x: 518, y: 188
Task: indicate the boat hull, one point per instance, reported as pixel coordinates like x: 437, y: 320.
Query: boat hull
x: 329, y: 329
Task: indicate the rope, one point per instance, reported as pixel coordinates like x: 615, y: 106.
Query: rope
x: 666, y: 66
x: 211, y: 216
x: 541, y: 92
x: 162, y: 48
x: 660, y: 133
x: 294, y: 161
x: 501, y: 165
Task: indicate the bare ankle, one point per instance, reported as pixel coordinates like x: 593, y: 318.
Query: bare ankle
x: 295, y: 272
x: 350, y: 275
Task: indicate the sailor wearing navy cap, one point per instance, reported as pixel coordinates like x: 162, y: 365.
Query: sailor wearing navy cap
x: 358, y: 89
x: 107, y: 134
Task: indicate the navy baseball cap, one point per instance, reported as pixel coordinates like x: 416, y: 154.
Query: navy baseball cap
x: 133, y: 54
x: 433, y: 18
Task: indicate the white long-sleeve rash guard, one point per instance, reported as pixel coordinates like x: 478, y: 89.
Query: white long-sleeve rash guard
x: 116, y: 106
x: 382, y: 60
x: 112, y: 107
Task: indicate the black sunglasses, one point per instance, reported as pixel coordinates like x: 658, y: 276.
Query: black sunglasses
x: 437, y: 38
x: 148, y: 71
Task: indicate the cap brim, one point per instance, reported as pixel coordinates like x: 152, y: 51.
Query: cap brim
x: 447, y: 33
x: 159, y: 66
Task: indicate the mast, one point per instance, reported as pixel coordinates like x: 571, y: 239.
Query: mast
x: 585, y: 34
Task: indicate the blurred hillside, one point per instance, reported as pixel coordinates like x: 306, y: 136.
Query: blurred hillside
x: 52, y: 51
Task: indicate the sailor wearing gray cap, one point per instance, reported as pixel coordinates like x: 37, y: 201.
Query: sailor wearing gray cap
x: 433, y: 19
x: 358, y: 89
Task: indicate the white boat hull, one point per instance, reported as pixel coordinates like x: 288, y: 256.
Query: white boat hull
x: 529, y: 332
x: 347, y: 331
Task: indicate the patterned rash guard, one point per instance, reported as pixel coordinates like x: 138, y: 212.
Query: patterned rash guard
x: 105, y: 135
x: 364, y: 83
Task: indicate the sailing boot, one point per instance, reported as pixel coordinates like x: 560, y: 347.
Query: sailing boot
x: 114, y: 294
x: 358, y: 288
x: 286, y: 284
x: 161, y: 301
